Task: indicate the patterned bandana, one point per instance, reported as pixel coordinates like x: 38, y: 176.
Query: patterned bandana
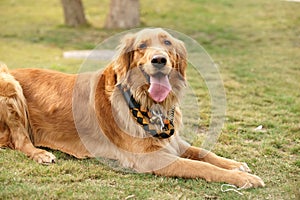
x: 153, y: 121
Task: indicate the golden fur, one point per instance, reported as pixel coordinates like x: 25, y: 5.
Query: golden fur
x: 85, y: 115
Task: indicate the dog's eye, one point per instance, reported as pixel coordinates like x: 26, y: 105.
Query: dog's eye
x: 143, y: 46
x: 168, y: 42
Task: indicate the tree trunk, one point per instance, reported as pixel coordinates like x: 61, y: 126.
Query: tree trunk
x: 123, y: 14
x: 73, y: 13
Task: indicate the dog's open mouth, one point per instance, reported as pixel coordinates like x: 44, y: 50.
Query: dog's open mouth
x: 159, y: 87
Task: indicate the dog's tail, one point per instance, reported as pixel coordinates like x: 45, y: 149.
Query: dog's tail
x: 13, y: 105
x: 3, y: 67
x: 7, y: 82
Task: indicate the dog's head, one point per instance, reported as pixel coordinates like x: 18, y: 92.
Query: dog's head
x: 152, y: 63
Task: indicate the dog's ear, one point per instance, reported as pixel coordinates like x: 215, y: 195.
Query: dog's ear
x: 181, y: 56
x: 124, y: 55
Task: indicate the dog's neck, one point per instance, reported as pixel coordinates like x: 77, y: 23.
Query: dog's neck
x: 153, y: 120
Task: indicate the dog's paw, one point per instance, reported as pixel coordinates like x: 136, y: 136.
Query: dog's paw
x: 242, y: 167
x: 43, y: 157
x: 246, y: 180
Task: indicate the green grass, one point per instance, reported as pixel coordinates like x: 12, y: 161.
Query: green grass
x: 256, y: 45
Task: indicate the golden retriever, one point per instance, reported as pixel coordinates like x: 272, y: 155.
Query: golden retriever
x: 128, y: 112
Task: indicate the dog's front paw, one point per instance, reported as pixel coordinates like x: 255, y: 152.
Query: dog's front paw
x: 242, y: 167
x: 246, y: 180
x: 43, y: 157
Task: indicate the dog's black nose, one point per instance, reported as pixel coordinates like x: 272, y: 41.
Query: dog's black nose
x: 159, y: 61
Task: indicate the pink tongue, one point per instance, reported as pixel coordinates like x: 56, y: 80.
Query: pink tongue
x: 159, y: 88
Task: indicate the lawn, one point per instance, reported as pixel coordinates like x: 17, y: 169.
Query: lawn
x: 256, y: 45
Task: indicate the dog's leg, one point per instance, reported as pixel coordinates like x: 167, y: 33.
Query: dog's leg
x: 14, y: 135
x: 20, y: 141
x: 187, y: 168
x: 14, y: 124
x: 195, y: 153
